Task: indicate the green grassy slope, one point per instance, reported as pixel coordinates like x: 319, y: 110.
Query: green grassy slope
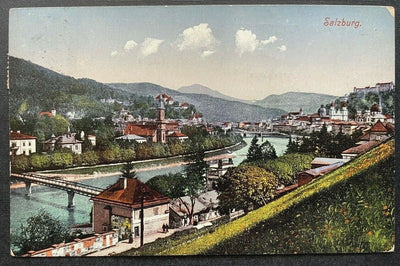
x: 213, y: 243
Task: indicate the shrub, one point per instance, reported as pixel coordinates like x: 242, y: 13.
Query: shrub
x: 40, y: 162
x: 61, y: 159
x: 20, y: 163
x: 90, y: 158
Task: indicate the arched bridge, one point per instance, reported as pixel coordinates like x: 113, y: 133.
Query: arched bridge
x: 55, y: 182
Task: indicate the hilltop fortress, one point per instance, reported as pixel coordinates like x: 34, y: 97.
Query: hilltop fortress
x: 379, y: 87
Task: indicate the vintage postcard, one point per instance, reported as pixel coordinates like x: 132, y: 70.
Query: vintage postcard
x: 201, y: 130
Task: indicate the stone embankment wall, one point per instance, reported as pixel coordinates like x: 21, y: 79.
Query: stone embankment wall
x: 78, y: 247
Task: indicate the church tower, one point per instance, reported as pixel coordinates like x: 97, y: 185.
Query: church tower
x: 161, y: 121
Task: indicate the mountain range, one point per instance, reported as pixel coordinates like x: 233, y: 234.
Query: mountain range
x: 200, y: 89
x: 34, y: 88
x: 290, y: 101
x: 212, y: 108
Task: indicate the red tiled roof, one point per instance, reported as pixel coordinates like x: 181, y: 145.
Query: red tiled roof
x: 165, y: 96
x: 177, y: 135
x: 303, y: 118
x: 19, y: 136
x: 360, y: 148
x: 184, y: 104
x: 45, y: 113
x: 140, y: 130
x: 344, y: 123
x: 378, y: 127
x: 131, y: 195
x: 366, y: 136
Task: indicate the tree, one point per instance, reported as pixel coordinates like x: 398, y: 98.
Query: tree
x: 293, y: 146
x: 245, y: 187
x: 254, y: 153
x: 127, y: 170
x: 40, y: 231
x: 195, y: 175
x: 171, y: 185
x: 268, y: 151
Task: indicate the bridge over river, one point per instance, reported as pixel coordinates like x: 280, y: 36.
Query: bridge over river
x: 56, y: 182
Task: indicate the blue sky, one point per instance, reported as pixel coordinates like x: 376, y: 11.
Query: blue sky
x: 247, y: 52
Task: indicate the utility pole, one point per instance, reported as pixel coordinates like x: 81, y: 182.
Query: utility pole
x: 144, y: 193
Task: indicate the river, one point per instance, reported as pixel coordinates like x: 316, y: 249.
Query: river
x: 55, y: 201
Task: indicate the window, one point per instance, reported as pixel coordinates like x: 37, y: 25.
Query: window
x: 23, y: 144
x: 29, y: 143
x: 155, y: 211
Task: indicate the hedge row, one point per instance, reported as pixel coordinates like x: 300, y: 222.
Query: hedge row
x: 114, y: 154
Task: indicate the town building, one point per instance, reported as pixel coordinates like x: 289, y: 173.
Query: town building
x: 177, y: 136
x: 119, y: 208
x: 358, y: 150
x: 147, y: 131
x: 165, y: 99
x: 309, y: 175
x: 67, y: 141
x: 321, y: 161
x: 378, y: 132
x: 205, y: 209
x: 22, y: 143
x: 50, y: 114
x: 131, y: 138
x: 339, y: 114
x: 372, y: 115
x: 152, y: 132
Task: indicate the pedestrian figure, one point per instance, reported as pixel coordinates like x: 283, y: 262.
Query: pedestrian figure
x: 184, y: 221
x: 163, y: 228
x: 166, y: 227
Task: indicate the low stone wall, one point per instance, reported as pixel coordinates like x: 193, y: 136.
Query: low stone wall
x: 78, y: 247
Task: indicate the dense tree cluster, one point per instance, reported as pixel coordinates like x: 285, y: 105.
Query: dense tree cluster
x: 245, y: 187
x: 252, y: 183
x: 256, y: 152
x: 324, y: 143
x: 357, y: 102
x: 40, y: 231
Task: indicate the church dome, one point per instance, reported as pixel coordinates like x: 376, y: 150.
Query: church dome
x: 322, y: 111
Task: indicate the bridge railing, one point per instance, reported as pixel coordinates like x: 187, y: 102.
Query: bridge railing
x: 60, y: 183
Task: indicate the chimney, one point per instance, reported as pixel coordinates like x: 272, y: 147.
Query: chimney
x: 123, y: 182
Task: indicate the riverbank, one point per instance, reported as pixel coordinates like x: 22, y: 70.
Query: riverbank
x: 78, y: 173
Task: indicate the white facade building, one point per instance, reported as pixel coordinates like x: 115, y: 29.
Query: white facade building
x: 22, y: 144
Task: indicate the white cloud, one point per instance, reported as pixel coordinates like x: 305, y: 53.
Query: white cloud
x: 246, y: 41
x: 207, y: 53
x: 271, y: 39
x: 150, y: 46
x: 197, y: 37
x: 114, y: 53
x: 282, y: 48
x: 129, y: 45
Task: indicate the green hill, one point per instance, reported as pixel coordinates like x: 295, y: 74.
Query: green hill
x: 348, y: 210
x: 34, y: 89
x: 212, y: 108
x: 293, y: 101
